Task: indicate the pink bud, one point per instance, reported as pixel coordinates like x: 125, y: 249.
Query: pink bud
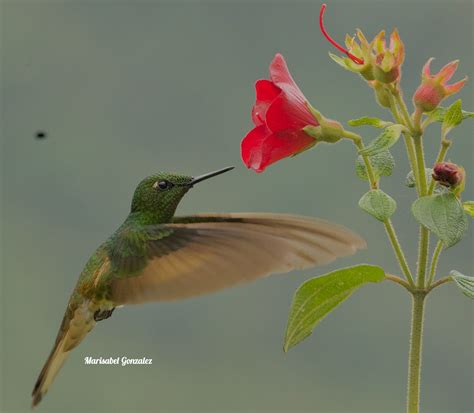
x: 434, y: 88
x: 448, y: 174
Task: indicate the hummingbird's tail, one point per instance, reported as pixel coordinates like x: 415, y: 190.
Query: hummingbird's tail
x: 77, y: 322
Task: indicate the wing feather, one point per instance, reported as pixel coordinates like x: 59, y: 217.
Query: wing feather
x: 206, y: 253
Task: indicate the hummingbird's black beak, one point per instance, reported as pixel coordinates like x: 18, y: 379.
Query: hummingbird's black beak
x: 200, y: 178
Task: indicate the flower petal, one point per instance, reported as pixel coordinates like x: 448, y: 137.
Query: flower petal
x: 426, y: 68
x: 266, y: 92
x: 288, y: 111
x: 280, y: 74
x: 455, y: 87
x: 261, y: 147
x: 447, y: 71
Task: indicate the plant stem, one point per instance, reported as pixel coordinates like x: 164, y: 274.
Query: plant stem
x: 434, y: 261
x: 408, y: 140
x: 423, y: 245
x: 438, y: 283
x: 398, y: 251
x: 398, y: 280
x: 414, y: 364
x: 360, y: 145
x: 357, y: 140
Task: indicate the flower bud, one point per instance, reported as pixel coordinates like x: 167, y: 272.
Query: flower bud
x: 434, y: 88
x: 448, y: 174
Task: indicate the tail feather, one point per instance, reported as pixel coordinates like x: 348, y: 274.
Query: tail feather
x: 77, y: 323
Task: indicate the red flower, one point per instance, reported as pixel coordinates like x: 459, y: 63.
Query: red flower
x: 280, y: 113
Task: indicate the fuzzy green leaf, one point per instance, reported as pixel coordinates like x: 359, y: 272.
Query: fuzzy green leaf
x: 316, y: 298
x: 439, y: 114
x: 453, y: 116
x: 385, y: 140
x: 375, y: 122
x: 382, y: 164
x: 410, y: 178
x: 378, y: 204
x: 468, y: 207
x: 465, y: 283
x: 443, y: 215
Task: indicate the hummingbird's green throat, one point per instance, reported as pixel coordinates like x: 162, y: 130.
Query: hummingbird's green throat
x: 156, y: 256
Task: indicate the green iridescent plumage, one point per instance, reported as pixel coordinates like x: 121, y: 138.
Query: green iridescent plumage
x: 154, y: 256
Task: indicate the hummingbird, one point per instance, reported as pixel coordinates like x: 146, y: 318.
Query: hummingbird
x: 157, y: 256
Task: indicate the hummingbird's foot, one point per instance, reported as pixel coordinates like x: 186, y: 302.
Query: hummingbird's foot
x: 100, y: 315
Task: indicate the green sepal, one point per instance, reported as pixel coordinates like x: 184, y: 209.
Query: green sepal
x: 382, y: 165
x: 378, y: 204
x: 316, y: 298
x: 443, y: 215
x: 385, y: 140
x: 464, y: 282
x: 368, y: 121
x: 468, y: 207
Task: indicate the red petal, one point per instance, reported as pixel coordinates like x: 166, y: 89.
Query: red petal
x: 288, y: 111
x: 266, y: 91
x: 281, y: 76
x: 261, y: 148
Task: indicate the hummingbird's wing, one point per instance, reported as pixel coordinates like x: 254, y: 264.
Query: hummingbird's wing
x: 204, y: 253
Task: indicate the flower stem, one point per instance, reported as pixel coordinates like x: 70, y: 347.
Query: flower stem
x: 434, y: 261
x: 408, y: 140
x: 368, y: 166
x: 414, y: 364
x: 357, y: 140
x: 398, y: 251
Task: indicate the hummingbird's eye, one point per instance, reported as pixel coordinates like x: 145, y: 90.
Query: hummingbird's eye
x: 163, y: 185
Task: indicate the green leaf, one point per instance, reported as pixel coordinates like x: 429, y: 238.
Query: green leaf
x: 375, y: 122
x: 468, y: 207
x: 382, y: 164
x: 439, y: 114
x: 385, y: 140
x: 453, y: 116
x: 410, y: 178
x: 378, y: 204
x: 315, y: 298
x: 465, y: 283
x: 443, y: 215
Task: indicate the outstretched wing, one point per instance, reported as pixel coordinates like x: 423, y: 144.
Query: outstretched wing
x: 204, y: 253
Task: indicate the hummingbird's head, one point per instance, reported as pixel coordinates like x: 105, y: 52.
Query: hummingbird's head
x: 160, y: 193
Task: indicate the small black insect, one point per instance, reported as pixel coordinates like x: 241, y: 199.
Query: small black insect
x: 41, y: 134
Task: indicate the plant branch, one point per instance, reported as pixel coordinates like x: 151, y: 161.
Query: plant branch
x: 434, y: 261
x: 398, y: 280
x: 392, y: 235
x: 357, y: 140
x: 408, y: 140
x: 436, y: 284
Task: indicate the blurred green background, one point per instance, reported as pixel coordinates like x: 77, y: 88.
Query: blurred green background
x: 124, y: 89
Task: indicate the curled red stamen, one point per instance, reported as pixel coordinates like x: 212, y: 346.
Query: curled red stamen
x: 355, y: 59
